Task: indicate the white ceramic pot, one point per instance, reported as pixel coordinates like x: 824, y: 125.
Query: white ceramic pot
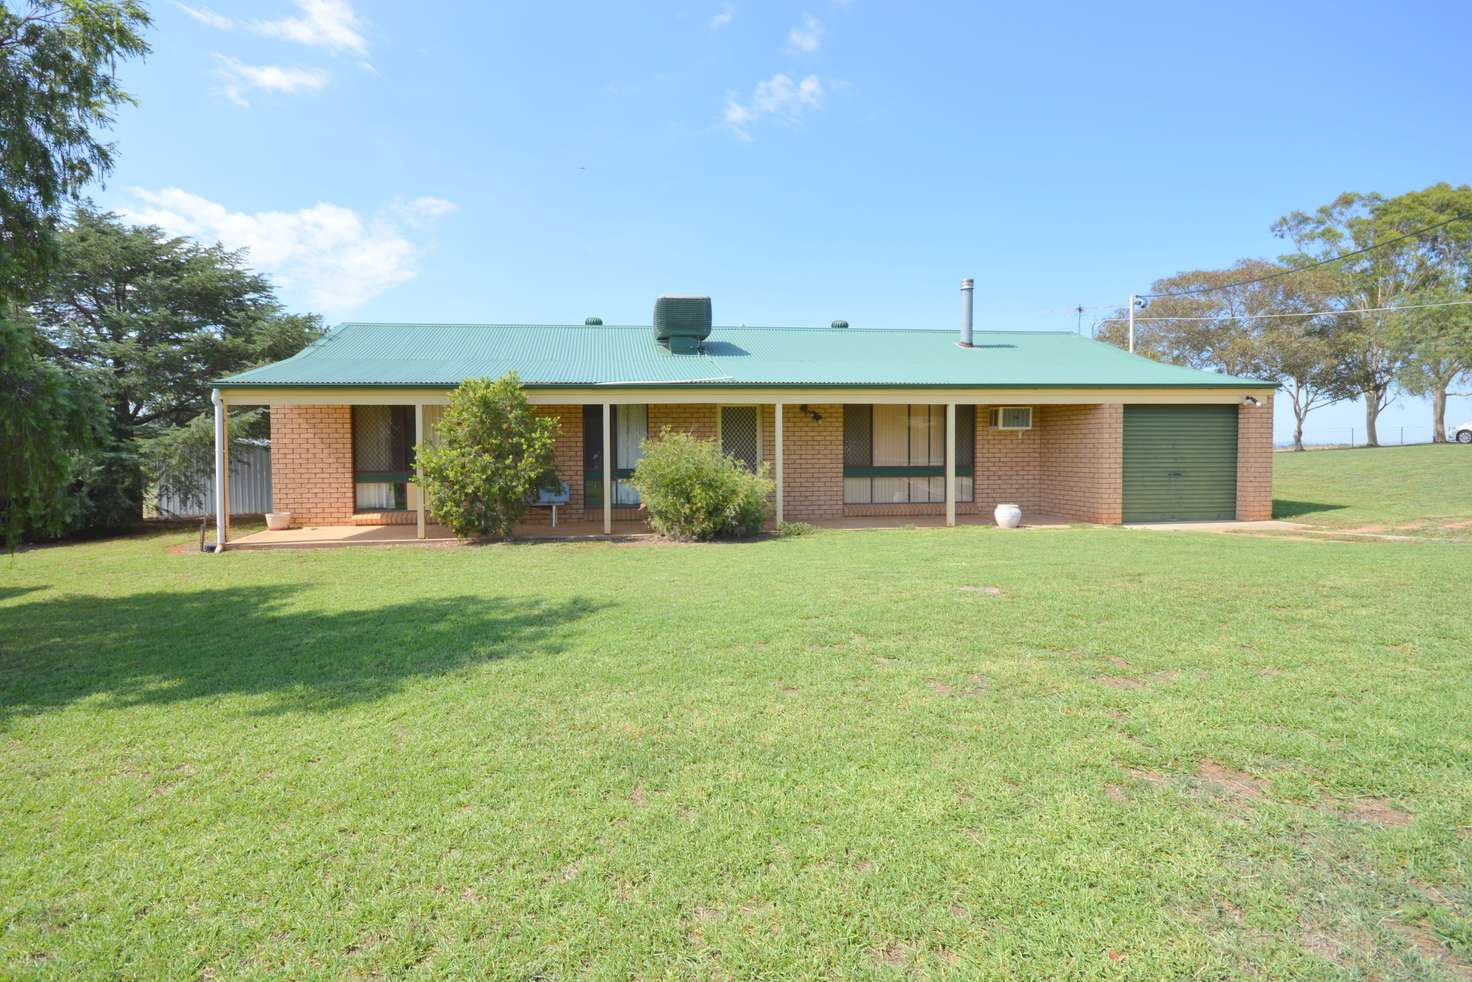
x: 1008, y: 516
x: 278, y: 521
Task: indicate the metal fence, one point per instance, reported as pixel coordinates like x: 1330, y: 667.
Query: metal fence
x: 250, y: 487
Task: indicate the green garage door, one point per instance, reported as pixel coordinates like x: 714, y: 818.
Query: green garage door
x: 1180, y: 463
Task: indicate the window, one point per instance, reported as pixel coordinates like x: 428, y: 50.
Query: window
x: 383, y: 457
x: 897, y: 454
x: 630, y: 427
x: 741, y: 434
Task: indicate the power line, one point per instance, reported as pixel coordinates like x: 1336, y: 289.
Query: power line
x: 1306, y: 313
x: 1322, y: 262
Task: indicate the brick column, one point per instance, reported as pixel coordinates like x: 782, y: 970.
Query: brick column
x: 1255, y: 462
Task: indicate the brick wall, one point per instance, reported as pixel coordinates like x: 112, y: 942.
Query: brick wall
x: 1008, y: 467
x: 812, y: 456
x: 1081, y: 476
x: 312, y: 464
x: 1255, y: 462
x: 1069, y: 466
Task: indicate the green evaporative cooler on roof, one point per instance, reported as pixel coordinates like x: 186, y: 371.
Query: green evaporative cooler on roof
x: 682, y: 323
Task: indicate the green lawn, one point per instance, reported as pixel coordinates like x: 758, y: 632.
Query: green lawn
x: 1422, y: 491
x: 1152, y: 755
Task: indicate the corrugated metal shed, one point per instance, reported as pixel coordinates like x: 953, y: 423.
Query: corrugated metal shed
x: 443, y: 355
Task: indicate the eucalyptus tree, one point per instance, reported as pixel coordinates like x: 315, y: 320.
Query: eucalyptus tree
x: 1393, y: 255
x: 1433, y: 336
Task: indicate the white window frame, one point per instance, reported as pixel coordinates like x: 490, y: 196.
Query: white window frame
x: 999, y: 413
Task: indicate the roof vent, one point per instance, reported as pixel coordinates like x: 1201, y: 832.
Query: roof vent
x: 682, y: 322
x: 594, y: 322
x: 839, y: 325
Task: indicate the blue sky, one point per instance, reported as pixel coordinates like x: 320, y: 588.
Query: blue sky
x: 798, y: 162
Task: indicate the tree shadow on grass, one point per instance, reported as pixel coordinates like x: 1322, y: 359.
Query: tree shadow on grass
x: 1283, y: 508
x: 165, y: 647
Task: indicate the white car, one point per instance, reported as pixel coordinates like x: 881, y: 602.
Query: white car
x: 1463, y: 433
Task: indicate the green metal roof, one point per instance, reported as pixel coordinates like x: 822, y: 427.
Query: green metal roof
x: 443, y: 355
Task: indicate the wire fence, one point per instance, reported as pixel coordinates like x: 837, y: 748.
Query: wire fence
x: 1354, y: 436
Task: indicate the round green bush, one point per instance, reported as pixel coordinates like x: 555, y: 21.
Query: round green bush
x: 692, y: 491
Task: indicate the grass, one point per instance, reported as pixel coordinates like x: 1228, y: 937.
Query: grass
x: 1082, y: 752
x: 1419, y: 491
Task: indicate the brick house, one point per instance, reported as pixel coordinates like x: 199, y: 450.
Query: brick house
x: 853, y: 422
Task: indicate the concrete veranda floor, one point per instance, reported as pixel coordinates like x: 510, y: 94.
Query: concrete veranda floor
x: 328, y: 536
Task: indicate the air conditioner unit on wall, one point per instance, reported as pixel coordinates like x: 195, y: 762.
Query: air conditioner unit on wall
x: 1010, y: 417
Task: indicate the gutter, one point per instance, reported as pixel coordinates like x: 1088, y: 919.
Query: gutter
x: 676, y: 383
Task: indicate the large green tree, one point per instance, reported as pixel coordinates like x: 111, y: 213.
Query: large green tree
x: 58, y: 88
x: 154, y: 317
x: 1394, y: 266
x: 48, y: 420
x: 1248, y: 319
x: 1433, y: 344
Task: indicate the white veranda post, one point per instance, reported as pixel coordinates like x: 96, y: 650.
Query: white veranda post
x: 418, y: 470
x: 950, y: 463
x: 222, y: 470
x: 777, y: 447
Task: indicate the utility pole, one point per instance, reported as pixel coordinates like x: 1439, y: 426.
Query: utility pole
x: 1080, y: 328
x: 1133, y: 301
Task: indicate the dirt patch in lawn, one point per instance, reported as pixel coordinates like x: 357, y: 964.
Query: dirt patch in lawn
x: 1425, y: 944
x: 890, y: 956
x: 989, y: 591
x: 1145, y: 774
x: 1330, y: 947
x: 1119, y: 681
x: 1135, y: 681
x: 974, y: 687
x: 1239, y: 785
x: 1380, y: 811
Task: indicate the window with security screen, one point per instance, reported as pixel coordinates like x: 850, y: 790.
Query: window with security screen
x: 383, y: 457
x: 897, y: 454
x: 741, y: 434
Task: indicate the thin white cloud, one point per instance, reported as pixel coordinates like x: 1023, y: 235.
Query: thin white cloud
x: 422, y: 211
x: 723, y: 17
x: 208, y: 17
x: 327, y: 256
x: 331, y: 25
x: 327, y: 24
x: 805, y: 37
x: 237, y: 79
x: 778, y: 96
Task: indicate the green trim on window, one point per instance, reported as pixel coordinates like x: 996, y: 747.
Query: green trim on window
x: 383, y: 477
x: 925, y: 471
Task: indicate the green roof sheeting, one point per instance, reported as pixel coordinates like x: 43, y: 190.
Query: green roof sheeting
x: 443, y: 355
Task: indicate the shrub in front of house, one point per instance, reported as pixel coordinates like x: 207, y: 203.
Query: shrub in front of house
x: 492, y: 454
x: 692, y: 491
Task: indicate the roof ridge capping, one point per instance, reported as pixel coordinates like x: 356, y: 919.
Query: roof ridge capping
x: 817, y: 329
